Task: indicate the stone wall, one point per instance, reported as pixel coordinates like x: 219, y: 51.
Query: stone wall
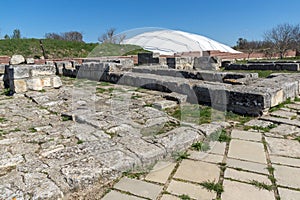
x: 21, y: 78
x: 289, y: 66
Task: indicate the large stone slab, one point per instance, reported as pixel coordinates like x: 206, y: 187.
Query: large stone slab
x: 140, y: 188
x: 278, y: 120
x: 114, y: 195
x: 248, y: 166
x: 246, y: 150
x: 161, y: 172
x: 285, y: 161
x: 287, y: 176
x: 246, y: 176
x: 283, y: 147
x: 287, y: 194
x: 246, y: 135
x: 192, y: 190
x: 284, y: 114
x: 237, y: 191
x: 201, y: 171
x: 206, y: 157
x: 284, y: 129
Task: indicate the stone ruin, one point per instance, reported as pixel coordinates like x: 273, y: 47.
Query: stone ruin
x: 59, y: 157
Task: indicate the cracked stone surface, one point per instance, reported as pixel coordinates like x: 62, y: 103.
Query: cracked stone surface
x: 108, y: 142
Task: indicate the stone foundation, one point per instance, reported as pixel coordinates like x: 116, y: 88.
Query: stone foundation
x: 22, y: 78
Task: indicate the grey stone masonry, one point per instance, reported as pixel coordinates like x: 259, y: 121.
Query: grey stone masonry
x: 21, y: 78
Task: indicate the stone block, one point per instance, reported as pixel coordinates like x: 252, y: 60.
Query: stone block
x: 201, y: 171
x: 20, y: 86
x: 17, y: 59
x: 237, y: 191
x: 29, y: 60
x: 42, y: 70
x: 46, y: 81
x: 34, y: 84
x: 18, y: 71
x: 192, y: 190
x: 287, y: 176
x: 161, y: 172
x: 56, y: 82
x: 140, y: 188
x: 246, y: 150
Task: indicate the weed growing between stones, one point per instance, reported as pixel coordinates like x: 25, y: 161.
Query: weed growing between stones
x: 184, y: 197
x: 212, y: 186
x: 32, y: 130
x: 2, y: 119
x: 79, y: 141
x: 7, y: 92
x: 220, y: 136
x: 259, y: 128
x: 298, y: 139
x: 66, y: 118
x: 201, y: 146
x: 104, y: 84
x: 261, y: 185
x: 297, y: 99
x: 134, y: 175
x: 178, y: 156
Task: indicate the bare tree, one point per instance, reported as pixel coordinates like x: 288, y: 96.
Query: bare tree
x: 54, y: 36
x: 283, y: 37
x: 68, y: 36
x: 110, y: 37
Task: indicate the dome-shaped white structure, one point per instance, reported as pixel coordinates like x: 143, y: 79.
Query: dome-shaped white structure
x: 168, y: 42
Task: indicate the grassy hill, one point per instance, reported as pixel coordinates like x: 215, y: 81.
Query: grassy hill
x: 64, y: 49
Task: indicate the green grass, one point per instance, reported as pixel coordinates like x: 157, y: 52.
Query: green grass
x: 101, y: 90
x: 104, y: 84
x: 180, y: 155
x: 107, y: 49
x: 204, y: 114
x: 2, y: 119
x: 220, y: 136
x: 184, y: 197
x: 297, y: 99
x: 32, y: 130
x: 259, y: 128
x: 212, y: 186
x: 134, y: 175
x: 53, y: 48
x: 6, y: 91
x: 201, y: 146
x: 298, y: 139
x: 261, y: 185
x: 261, y: 73
x: 66, y: 118
x: 42, y: 90
x: 80, y: 141
x: 64, y: 49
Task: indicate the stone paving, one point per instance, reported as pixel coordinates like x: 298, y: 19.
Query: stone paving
x: 261, y: 161
x: 125, y: 153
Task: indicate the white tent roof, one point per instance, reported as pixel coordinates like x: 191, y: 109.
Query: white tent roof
x: 168, y: 42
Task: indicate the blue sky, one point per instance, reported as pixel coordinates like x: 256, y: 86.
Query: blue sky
x: 221, y: 20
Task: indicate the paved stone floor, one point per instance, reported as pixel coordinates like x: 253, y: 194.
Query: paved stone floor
x: 44, y: 156
x: 261, y: 161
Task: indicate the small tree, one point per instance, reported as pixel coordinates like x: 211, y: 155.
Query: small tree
x: 283, y: 37
x: 108, y: 37
x: 72, y: 36
x: 16, y: 34
x: 6, y: 37
x: 54, y: 36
